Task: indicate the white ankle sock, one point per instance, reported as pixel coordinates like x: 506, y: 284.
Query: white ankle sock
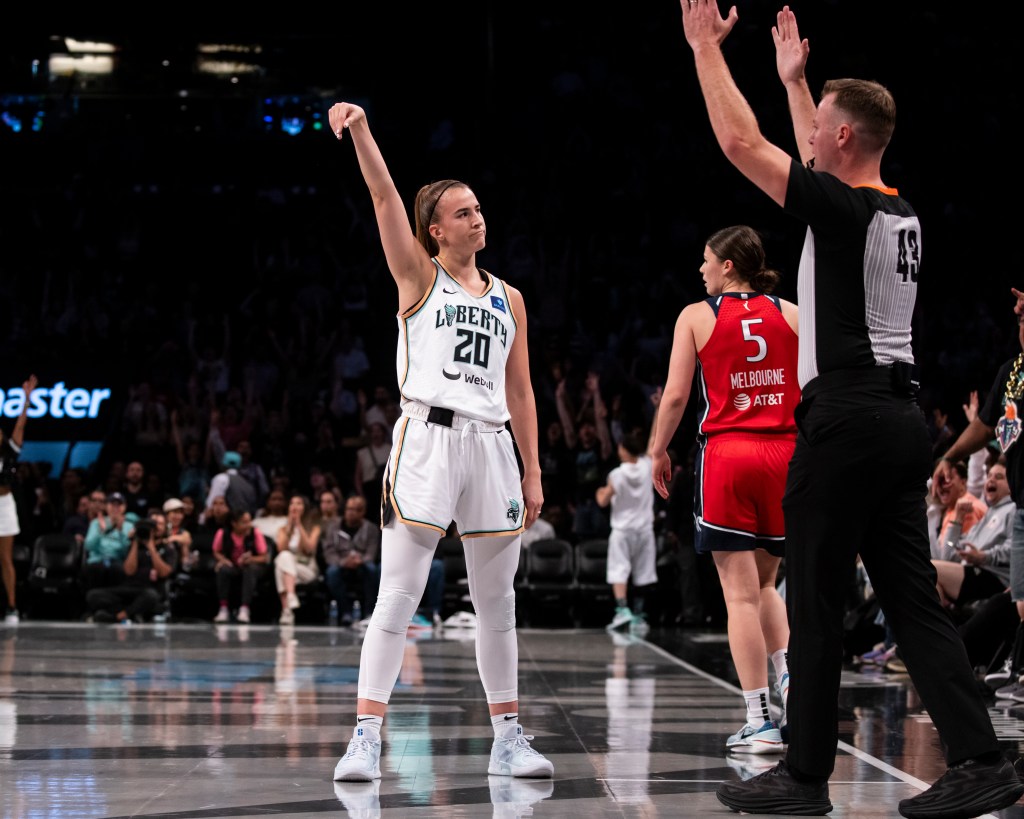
x: 780, y: 659
x: 371, y: 726
x: 758, y: 712
x: 505, y: 724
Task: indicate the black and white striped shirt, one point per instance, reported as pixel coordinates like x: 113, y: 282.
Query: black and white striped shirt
x: 857, y: 280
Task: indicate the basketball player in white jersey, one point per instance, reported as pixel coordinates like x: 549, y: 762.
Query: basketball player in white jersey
x: 463, y: 371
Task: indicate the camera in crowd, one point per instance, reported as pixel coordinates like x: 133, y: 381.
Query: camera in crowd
x: 144, y: 530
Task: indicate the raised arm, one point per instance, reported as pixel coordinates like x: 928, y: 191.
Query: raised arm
x: 18, y: 434
x: 407, y: 259
x: 732, y: 119
x: 791, y: 61
x: 604, y: 435
x: 977, y: 434
x: 522, y: 407
x: 565, y: 414
x: 179, y: 448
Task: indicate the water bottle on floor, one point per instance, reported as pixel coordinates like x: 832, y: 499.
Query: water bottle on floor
x: 332, y: 617
x: 357, y: 612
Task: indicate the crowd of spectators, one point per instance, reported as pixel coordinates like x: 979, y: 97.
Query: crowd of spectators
x: 233, y: 289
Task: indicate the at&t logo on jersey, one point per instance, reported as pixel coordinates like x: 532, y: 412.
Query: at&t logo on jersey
x: 743, y: 402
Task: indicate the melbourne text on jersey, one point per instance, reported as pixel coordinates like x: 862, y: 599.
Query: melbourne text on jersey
x: 757, y: 378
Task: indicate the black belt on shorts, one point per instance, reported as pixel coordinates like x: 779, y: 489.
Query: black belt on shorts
x: 441, y: 416
x: 901, y: 377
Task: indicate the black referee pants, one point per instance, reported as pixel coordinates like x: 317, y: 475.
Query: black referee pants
x: 857, y: 484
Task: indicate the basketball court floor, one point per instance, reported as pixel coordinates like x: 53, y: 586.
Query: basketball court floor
x: 249, y: 721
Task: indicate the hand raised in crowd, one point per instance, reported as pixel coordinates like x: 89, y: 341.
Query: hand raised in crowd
x: 1018, y: 308
x: 963, y: 508
x: 971, y: 407
x: 941, y: 476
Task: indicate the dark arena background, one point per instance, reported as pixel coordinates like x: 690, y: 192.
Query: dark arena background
x: 186, y: 246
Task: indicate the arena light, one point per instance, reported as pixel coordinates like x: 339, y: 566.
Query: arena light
x: 88, y: 46
x: 66, y: 65
x: 228, y: 59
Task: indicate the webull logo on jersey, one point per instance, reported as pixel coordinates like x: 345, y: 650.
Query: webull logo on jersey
x: 461, y: 314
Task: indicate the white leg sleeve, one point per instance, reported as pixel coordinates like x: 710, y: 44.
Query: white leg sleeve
x: 491, y: 564
x: 406, y: 552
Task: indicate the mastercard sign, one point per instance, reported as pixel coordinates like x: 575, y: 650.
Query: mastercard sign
x: 70, y: 417
x: 56, y: 401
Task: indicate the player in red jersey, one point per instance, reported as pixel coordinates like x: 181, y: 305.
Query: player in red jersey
x: 741, y: 343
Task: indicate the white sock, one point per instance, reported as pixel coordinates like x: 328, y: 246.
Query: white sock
x: 780, y: 659
x: 505, y: 725
x: 758, y: 712
x: 370, y: 726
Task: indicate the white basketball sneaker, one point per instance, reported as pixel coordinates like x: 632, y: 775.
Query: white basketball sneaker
x: 361, y: 762
x: 513, y: 756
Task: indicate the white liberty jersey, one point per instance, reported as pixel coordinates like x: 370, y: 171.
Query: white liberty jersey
x: 452, y: 348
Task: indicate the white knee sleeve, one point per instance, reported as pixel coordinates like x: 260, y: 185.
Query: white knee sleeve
x: 405, y: 562
x: 491, y: 566
x: 393, y: 611
x: 497, y: 613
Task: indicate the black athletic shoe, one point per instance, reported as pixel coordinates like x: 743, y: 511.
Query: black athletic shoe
x: 776, y: 791
x: 967, y: 789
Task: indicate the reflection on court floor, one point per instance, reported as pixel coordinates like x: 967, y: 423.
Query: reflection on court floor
x: 204, y: 721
